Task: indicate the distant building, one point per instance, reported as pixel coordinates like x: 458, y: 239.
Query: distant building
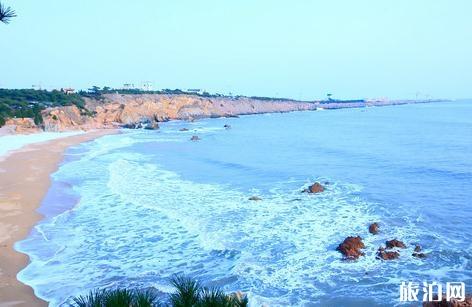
x: 147, y: 86
x: 195, y: 90
x: 68, y: 90
x: 128, y: 86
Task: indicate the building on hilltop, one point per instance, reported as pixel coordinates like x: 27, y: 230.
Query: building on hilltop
x: 195, y: 91
x: 147, y: 86
x: 68, y: 90
x: 128, y: 86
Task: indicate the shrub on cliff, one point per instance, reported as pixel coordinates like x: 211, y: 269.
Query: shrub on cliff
x: 28, y: 103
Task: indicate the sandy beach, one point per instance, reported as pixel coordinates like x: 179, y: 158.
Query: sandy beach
x: 24, y: 181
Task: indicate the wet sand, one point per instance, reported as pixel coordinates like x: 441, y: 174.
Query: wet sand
x: 24, y: 181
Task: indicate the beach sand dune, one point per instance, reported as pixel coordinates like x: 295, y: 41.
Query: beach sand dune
x: 24, y: 181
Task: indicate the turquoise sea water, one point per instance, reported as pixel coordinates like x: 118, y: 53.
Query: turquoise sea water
x: 135, y: 208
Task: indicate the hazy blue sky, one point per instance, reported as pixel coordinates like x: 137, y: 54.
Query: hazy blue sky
x: 299, y: 49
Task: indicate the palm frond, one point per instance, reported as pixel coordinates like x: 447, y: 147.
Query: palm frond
x: 214, y: 297
x: 6, y: 13
x: 95, y: 298
x: 145, y: 298
x: 188, y: 291
x: 119, y: 298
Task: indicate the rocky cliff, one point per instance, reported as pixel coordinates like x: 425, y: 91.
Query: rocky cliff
x: 117, y: 110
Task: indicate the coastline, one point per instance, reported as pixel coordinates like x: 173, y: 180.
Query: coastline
x: 24, y: 182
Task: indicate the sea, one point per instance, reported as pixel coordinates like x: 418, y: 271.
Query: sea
x: 136, y: 208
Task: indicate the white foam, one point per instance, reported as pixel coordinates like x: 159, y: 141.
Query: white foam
x: 10, y: 143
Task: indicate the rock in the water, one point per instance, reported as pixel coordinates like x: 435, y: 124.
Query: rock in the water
x: 144, y: 123
x: 195, y: 138
x: 387, y: 255
x: 255, y: 198
x: 453, y: 302
x: 151, y: 126
x: 417, y: 252
x: 183, y: 129
x: 374, y: 228
x: 226, y: 126
x: 351, y: 247
x: 395, y: 243
x: 314, y: 188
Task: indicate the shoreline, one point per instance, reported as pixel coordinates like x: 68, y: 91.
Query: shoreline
x: 24, y: 183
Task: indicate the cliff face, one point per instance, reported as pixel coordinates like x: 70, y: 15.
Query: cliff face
x: 115, y: 110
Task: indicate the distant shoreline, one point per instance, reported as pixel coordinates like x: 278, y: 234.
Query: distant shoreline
x: 115, y: 110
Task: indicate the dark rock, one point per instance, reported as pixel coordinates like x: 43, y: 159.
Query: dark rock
x: 374, y: 228
x: 231, y: 115
x: 151, y: 126
x: 395, y: 243
x: 183, y: 129
x: 144, y: 123
x: 351, y: 247
x: 255, y: 198
x: 226, y: 126
x: 417, y: 252
x: 195, y: 138
x: 453, y: 302
x: 387, y: 255
x: 314, y: 188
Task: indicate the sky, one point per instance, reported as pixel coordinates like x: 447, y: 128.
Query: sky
x: 297, y: 49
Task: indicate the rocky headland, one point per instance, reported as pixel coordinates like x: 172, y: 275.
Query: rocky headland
x: 147, y: 110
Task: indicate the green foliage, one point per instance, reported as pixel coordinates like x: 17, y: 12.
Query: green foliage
x: 29, y: 103
x: 214, y: 298
x: 95, y: 298
x: 188, y: 293
x: 117, y: 298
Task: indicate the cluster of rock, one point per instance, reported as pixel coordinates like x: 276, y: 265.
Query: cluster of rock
x: 351, y: 247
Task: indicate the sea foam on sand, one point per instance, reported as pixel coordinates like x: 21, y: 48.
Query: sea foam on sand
x: 10, y: 143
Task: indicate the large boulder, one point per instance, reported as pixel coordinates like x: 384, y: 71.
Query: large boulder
x: 387, y: 255
x: 453, y: 302
x: 395, y: 243
x: 315, y: 188
x: 374, y: 228
x: 351, y: 247
x: 143, y: 123
x: 417, y: 253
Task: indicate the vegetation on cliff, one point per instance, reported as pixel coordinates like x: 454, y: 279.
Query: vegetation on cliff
x: 187, y: 293
x: 29, y: 103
